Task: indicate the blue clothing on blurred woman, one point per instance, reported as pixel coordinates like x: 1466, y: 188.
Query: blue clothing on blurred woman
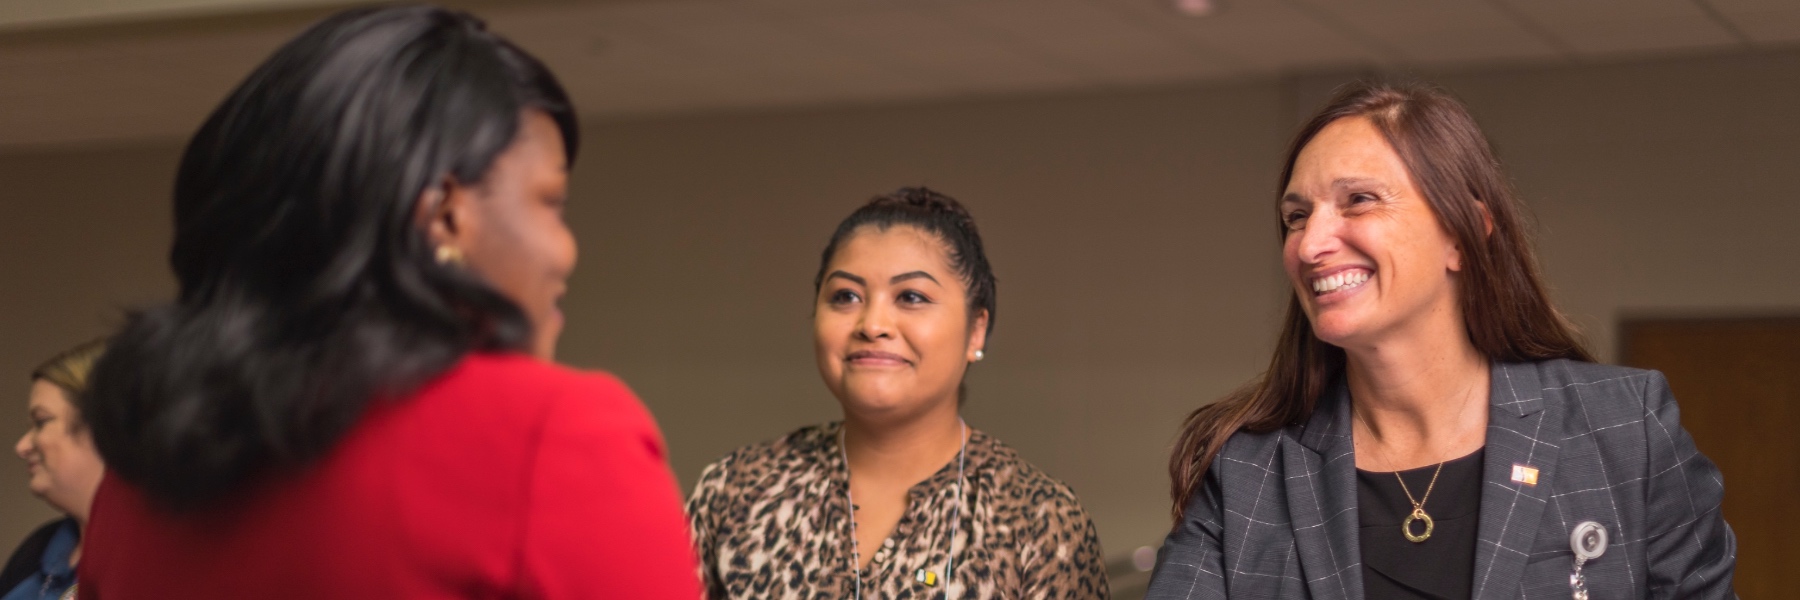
x: 41, y: 566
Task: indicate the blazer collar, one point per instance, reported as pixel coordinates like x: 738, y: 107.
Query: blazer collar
x: 1524, y: 429
x: 1516, y: 389
x: 1328, y: 429
x: 1319, y: 465
x: 1524, y: 436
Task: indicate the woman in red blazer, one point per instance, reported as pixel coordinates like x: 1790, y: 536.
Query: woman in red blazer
x: 352, y: 395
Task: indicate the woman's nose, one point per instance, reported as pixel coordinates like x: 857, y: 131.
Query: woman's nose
x: 24, y: 447
x: 1320, y: 237
x: 876, y: 322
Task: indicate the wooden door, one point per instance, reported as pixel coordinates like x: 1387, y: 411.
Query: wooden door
x: 1738, y: 384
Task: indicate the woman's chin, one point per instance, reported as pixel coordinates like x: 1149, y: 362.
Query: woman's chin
x: 874, y: 405
x: 41, y: 489
x: 879, y: 403
x: 1337, y: 332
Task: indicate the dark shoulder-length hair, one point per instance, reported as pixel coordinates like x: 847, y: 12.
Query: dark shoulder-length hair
x: 1505, y: 305
x: 308, y: 291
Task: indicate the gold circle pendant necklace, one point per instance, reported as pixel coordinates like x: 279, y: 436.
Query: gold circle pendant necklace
x: 1418, y: 512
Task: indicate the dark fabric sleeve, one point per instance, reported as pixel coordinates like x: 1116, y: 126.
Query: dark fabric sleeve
x: 1191, y: 563
x: 28, y: 557
x: 1691, y: 550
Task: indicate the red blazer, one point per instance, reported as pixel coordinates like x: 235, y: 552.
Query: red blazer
x: 507, y: 477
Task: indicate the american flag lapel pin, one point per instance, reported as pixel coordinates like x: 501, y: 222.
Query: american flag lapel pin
x: 1524, y: 474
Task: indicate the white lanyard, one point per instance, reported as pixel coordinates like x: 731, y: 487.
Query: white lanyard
x: 955, y: 517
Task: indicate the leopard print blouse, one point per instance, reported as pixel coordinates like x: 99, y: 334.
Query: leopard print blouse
x: 769, y: 521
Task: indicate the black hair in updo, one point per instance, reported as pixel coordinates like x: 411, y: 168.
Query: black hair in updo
x: 939, y: 215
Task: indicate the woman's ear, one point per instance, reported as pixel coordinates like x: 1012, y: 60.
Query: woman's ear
x: 443, y: 212
x: 978, y: 328
x: 1487, y: 231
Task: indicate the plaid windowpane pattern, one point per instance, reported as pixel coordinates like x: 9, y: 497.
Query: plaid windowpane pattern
x: 1276, y: 517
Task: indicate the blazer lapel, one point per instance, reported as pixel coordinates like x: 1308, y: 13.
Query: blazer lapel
x: 1524, y: 431
x: 1320, y: 476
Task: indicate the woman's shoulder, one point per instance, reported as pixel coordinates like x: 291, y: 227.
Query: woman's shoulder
x: 529, y: 372
x: 517, y: 401
x: 1596, y: 386
x: 1036, y: 508
x: 526, y: 383
x: 28, y: 556
x: 1256, y: 447
x: 1565, y: 372
x: 781, y: 470
x: 1022, y: 485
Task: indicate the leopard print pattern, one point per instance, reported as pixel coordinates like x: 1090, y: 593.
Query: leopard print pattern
x: 770, y: 522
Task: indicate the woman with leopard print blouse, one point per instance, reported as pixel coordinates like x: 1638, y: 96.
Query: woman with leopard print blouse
x: 905, y: 302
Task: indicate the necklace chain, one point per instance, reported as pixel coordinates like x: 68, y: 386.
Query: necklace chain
x: 1418, y: 504
x: 955, y: 517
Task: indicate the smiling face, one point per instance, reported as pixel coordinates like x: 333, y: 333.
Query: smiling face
x: 510, y: 227
x: 1365, y: 253
x: 891, y: 326
x: 64, y: 466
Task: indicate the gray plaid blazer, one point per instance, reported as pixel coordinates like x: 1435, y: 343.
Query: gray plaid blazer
x: 1276, y: 515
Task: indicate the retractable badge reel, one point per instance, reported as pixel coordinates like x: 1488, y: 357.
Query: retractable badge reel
x: 1589, y: 542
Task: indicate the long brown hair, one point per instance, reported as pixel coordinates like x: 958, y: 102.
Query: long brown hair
x: 1504, y: 303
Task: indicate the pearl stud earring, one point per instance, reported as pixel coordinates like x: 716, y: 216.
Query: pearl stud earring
x: 449, y: 255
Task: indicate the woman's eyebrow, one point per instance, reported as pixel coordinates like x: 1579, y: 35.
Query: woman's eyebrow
x: 1346, y: 182
x: 912, y: 275
x: 842, y: 275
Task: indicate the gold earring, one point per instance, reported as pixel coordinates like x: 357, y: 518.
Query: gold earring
x: 449, y: 255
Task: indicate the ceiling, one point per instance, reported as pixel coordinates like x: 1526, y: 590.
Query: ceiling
x: 74, y: 72
x: 28, y: 14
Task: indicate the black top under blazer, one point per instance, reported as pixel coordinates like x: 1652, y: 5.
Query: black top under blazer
x: 1276, y: 513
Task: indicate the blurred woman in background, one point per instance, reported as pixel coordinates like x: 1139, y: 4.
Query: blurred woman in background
x: 901, y: 499
x: 65, y: 470
x: 1430, y: 426
x: 352, y: 394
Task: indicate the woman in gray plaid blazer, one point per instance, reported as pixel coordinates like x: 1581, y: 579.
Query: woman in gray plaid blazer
x: 1419, y: 344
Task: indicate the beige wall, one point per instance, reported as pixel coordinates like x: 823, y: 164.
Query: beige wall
x: 1137, y: 274
x: 1131, y: 234
x: 83, y: 235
